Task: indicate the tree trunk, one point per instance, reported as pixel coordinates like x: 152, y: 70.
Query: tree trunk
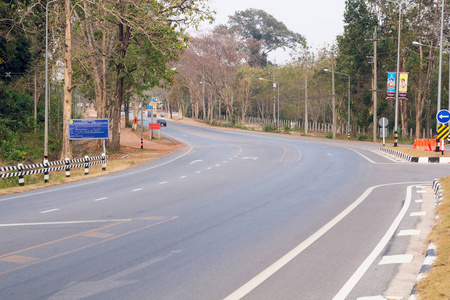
x: 67, y: 114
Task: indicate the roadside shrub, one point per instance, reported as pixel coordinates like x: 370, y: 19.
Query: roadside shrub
x: 363, y: 137
x: 329, y: 135
x: 287, y: 128
x: 268, y: 128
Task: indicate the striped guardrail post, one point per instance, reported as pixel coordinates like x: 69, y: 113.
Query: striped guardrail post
x: 86, y: 165
x: 103, y: 161
x: 46, y: 173
x: 21, y: 179
x: 67, y: 160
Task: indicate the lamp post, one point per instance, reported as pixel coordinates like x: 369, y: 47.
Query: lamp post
x: 440, y: 73
x: 398, y: 70
x: 348, y: 96
x: 275, y: 85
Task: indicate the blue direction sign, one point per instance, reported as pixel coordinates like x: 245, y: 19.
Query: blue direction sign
x: 88, y: 129
x: 443, y: 116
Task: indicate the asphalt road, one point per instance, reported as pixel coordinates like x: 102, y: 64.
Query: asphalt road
x: 235, y: 215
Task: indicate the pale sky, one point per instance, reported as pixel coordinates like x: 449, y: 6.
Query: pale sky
x: 320, y: 21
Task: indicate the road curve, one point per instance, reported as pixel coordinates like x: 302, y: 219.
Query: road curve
x: 235, y: 215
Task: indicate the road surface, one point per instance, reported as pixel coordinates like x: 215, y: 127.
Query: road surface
x: 235, y: 215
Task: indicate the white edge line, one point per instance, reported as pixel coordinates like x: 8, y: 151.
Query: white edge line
x: 350, y: 284
x: 272, y: 269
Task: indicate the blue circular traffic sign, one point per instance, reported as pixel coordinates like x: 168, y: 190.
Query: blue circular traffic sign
x: 443, y: 116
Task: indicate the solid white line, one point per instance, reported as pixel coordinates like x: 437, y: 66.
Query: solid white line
x: 63, y: 223
x: 418, y: 214
x: 135, y: 190
x: 396, y: 259
x: 100, y: 199
x: 265, y: 274
x: 49, y: 211
x: 356, y: 277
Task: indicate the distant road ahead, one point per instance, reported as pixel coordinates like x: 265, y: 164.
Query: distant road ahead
x: 236, y: 214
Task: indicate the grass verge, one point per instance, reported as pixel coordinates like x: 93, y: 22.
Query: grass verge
x: 437, y: 283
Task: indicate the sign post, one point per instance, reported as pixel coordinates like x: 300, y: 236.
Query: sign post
x: 383, y: 123
x: 443, y: 117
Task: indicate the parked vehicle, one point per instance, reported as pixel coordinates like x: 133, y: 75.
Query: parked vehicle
x: 162, y: 122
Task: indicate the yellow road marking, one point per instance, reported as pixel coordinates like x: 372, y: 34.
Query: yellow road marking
x: 78, y: 249
x: 19, y: 259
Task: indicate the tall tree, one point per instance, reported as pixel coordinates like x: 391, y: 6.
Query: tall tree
x: 259, y: 25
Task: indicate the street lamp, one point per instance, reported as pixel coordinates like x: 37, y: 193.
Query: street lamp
x: 275, y: 85
x: 440, y: 71
x: 398, y: 70
x: 348, y: 119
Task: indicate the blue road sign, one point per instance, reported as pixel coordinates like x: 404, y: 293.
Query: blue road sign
x: 443, y: 116
x: 88, y: 129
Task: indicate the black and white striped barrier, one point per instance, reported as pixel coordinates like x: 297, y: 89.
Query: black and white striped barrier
x: 425, y: 160
x: 431, y: 255
x: 46, y: 167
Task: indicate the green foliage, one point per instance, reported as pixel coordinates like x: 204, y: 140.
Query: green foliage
x: 329, y: 135
x: 268, y: 128
x: 287, y: 128
x: 260, y: 26
x: 363, y: 137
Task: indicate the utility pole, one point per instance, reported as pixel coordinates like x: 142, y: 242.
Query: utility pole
x: 306, y: 97
x: 333, y: 99
x: 375, y: 84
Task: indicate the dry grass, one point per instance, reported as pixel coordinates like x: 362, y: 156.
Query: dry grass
x: 126, y: 158
x: 437, y: 283
x: 420, y: 153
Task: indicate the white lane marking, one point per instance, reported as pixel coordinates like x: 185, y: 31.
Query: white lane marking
x: 252, y: 158
x: 230, y: 158
x: 101, y: 199
x: 421, y: 192
x: 196, y: 161
x: 64, y: 223
x: 418, y: 214
x: 419, y: 201
x: 396, y: 259
x: 198, y: 172
x: 164, y: 182
x: 209, y: 168
x: 135, y: 190
x: 224, y: 161
x: 356, y: 277
x: 420, y: 186
x: 182, y: 177
x: 408, y: 232
x: 272, y: 269
x: 110, y: 178
x: 49, y: 211
x: 217, y: 165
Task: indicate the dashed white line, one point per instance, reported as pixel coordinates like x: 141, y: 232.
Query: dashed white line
x: 408, y: 232
x: 217, y: 165
x: 164, y: 182
x: 419, y: 201
x: 101, y: 199
x: 396, y: 259
x: 49, y: 211
x: 418, y: 214
x: 198, y: 172
x: 182, y: 177
x: 208, y: 168
x: 135, y: 190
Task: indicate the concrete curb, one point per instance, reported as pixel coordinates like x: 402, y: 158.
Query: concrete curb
x: 431, y: 255
x: 436, y: 160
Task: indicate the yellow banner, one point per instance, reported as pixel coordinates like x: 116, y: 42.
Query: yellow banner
x: 403, y: 88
